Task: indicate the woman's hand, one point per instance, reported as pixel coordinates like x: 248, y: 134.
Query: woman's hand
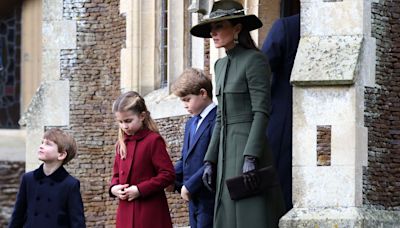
x: 208, y: 176
x: 251, y: 179
x: 118, y: 191
x: 132, y: 192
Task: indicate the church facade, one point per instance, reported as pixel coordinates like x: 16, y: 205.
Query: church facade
x: 64, y: 61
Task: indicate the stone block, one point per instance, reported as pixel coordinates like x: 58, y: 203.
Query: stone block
x: 340, y: 217
x: 51, y: 64
x: 340, y: 18
x: 332, y: 60
x: 324, y: 186
x: 53, y: 10
x: 59, y: 34
x: 334, y: 106
x: 56, y: 108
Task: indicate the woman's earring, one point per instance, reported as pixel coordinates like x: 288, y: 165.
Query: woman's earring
x: 236, y: 38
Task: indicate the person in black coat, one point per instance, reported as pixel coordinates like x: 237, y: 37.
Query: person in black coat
x: 280, y: 46
x: 49, y: 196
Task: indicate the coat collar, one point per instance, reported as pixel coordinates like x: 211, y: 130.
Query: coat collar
x: 234, y: 51
x: 59, y: 175
x: 139, y: 135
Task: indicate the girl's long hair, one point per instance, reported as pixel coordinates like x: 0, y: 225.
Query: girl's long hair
x: 132, y: 101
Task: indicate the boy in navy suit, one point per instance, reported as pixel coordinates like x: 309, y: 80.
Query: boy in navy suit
x: 195, y: 91
x: 49, y: 196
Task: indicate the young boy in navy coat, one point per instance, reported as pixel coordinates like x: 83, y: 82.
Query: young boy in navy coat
x: 49, y: 196
x: 195, y: 91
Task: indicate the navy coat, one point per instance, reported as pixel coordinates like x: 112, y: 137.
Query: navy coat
x: 48, y: 201
x: 280, y: 46
x: 189, y: 169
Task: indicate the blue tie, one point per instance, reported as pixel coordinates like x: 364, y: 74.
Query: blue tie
x: 193, y: 128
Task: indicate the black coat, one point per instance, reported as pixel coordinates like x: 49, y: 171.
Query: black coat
x: 280, y: 46
x: 48, y: 201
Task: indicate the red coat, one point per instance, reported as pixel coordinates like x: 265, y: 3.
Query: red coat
x: 148, y: 166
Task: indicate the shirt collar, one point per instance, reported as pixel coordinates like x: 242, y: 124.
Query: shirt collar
x: 232, y: 52
x: 59, y: 175
x: 207, y: 110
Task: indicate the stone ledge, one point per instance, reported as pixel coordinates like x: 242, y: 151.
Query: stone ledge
x: 161, y: 104
x: 47, y: 107
x: 12, y: 145
x: 331, y: 60
x: 340, y: 217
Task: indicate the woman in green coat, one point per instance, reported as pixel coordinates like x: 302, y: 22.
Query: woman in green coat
x: 238, y: 142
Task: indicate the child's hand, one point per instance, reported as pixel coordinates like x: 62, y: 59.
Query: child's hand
x: 170, y: 188
x: 185, y: 194
x: 132, y: 192
x: 118, y: 191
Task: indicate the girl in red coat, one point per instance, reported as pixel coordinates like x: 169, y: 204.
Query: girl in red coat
x: 142, y: 167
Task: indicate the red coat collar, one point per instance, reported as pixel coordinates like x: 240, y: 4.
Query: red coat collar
x: 139, y: 135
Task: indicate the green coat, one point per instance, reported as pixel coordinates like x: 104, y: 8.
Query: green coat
x: 243, y: 92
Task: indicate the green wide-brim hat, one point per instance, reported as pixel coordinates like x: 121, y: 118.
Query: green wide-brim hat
x: 225, y: 10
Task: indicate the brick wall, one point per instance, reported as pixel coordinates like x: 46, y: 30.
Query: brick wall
x: 381, y: 184
x: 172, y: 129
x: 93, y: 70
x: 10, y: 174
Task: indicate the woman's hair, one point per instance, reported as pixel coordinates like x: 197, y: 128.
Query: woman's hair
x: 132, y: 101
x: 245, y: 39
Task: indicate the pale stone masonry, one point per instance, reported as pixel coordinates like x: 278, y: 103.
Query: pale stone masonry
x: 334, y: 67
x: 346, y: 100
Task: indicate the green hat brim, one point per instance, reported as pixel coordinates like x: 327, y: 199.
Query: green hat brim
x: 203, y: 29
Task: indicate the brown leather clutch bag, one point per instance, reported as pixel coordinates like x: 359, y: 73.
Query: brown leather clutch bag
x: 267, y: 179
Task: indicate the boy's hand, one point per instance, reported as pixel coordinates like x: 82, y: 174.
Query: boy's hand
x: 185, y: 194
x: 118, y: 191
x: 132, y: 192
x: 170, y: 188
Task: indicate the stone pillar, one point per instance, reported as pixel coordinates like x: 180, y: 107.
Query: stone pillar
x: 139, y: 64
x: 334, y: 63
x: 50, y: 104
x: 31, y: 50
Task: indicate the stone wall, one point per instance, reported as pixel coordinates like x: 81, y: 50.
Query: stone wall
x: 10, y: 174
x: 381, y: 184
x: 172, y: 129
x: 93, y: 70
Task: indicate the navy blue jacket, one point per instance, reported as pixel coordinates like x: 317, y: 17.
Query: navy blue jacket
x: 48, y: 201
x: 189, y: 169
x: 280, y: 46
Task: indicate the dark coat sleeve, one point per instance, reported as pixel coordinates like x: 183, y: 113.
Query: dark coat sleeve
x: 195, y: 183
x: 273, y: 45
x: 179, y: 175
x: 75, y: 206
x: 18, y: 217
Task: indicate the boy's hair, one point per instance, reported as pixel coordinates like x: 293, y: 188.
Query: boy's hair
x: 191, y: 81
x: 132, y: 101
x: 64, y: 141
